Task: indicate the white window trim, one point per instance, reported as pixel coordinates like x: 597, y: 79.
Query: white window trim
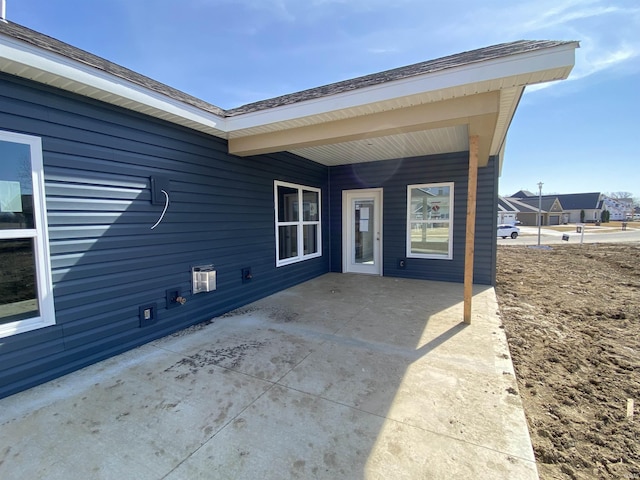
x: 41, y: 241
x: 449, y: 255
x: 300, y: 224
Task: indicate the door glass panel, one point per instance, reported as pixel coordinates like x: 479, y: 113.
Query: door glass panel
x: 288, y: 241
x: 18, y: 295
x: 16, y: 186
x: 363, y: 233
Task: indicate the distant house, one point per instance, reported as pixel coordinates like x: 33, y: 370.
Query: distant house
x: 565, y: 208
x: 507, y: 211
x: 143, y: 195
x: 550, y: 210
x: 618, y: 208
x: 524, y: 194
x: 575, y: 203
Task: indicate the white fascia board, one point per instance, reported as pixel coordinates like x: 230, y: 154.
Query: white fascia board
x: 561, y: 56
x: 78, y: 72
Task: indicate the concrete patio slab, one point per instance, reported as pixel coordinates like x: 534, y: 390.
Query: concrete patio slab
x: 344, y: 376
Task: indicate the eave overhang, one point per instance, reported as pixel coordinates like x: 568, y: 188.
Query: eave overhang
x: 422, y: 114
x: 27, y: 61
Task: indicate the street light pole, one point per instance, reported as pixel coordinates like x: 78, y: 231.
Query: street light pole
x: 539, y: 210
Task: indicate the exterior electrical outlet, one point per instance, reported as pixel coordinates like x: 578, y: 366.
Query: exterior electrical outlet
x: 203, y: 278
x: 148, y: 314
x: 246, y: 275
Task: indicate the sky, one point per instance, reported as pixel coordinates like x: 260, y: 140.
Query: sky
x: 574, y: 136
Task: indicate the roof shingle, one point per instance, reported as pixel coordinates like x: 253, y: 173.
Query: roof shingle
x: 451, y: 61
x: 50, y: 44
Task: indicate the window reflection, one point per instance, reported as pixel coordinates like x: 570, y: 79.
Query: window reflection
x: 430, y: 238
x: 310, y: 239
x: 18, y: 295
x: 287, y: 204
x: 430, y: 203
x: 310, y: 201
x: 288, y: 236
x: 297, y: 223
x: 16, y: 186
x: 430, y: 211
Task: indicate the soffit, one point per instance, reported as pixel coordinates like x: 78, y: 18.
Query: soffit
x: 424, y: 129
x: 401, y: 145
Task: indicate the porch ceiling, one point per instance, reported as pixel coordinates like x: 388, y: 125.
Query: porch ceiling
x: 416, y: 128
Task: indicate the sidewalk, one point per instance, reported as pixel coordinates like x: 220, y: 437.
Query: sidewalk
x: 529, y: 236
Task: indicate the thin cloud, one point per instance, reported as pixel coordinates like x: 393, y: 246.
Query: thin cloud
x: 378, y: 51
x: 603, y: 49
x: 560, y: 16
x: 611, y: 59
x: 604, y: 61
x: 270, y: 9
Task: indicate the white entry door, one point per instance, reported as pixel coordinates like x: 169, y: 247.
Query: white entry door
x: 362, y: 231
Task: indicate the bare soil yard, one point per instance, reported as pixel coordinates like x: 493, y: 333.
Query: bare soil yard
x: 572, y: 318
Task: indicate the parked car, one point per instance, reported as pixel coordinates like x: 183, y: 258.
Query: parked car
x: 505, y: 231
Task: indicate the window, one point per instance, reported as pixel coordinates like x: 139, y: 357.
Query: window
x: 429, y: 220
x: 297, y: 229
x: 26, y: 300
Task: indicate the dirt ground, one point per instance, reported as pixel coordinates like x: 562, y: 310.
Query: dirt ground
x: 572, y: 318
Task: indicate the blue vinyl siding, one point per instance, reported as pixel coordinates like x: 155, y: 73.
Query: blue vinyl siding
x: 394, y: 176
x: 106, y: 261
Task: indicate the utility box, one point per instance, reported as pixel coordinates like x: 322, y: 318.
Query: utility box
x: 203, y: 278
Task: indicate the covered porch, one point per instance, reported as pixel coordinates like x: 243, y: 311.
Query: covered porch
x: 344, y: 376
